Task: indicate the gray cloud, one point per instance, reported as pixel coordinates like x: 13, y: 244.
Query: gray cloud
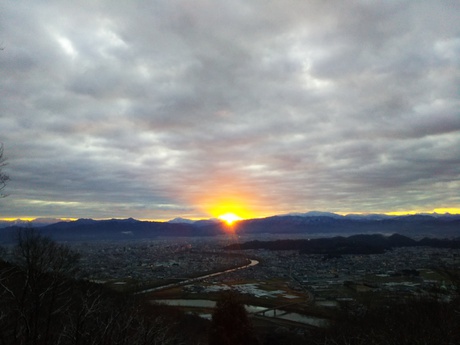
x: 164, y: 109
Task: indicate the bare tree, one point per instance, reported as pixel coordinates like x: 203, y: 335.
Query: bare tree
x: 35, y: 289
x: 3, y: 177
x: 40, y: 303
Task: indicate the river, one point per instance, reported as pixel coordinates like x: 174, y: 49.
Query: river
x: 192, y: 280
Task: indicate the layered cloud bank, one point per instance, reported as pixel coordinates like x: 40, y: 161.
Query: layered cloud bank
x: 193, y: 108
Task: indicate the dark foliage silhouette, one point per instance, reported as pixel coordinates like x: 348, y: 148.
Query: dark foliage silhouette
x: 230, y: 324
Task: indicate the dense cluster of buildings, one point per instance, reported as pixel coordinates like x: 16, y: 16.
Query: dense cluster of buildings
x: 412, y: 270
x: 154, y: 260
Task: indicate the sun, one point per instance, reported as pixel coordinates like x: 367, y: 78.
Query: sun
x: 229, y: 217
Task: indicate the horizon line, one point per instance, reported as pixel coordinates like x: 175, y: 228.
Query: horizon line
x: 439, y: 211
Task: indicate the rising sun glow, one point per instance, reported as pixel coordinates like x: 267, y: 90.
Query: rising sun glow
x: 229, y: 218
x: 235, y: 208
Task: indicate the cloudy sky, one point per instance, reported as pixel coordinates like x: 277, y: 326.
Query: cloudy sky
x: 160, y: 109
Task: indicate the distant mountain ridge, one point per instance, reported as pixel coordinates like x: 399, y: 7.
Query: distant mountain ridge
x: 39, y: 222
x: 309, y: 223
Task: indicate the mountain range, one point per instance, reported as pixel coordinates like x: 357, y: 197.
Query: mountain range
x: 420, y: 225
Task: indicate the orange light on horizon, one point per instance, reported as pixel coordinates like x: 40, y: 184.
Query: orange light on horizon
x: 30, y: 219
x: 229, y: 190
x: 451, y: 210
x: 229, y: 218
x: 12, y: 219
x: 235, y: 209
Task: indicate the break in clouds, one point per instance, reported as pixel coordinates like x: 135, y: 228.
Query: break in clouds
x: 160, y: 109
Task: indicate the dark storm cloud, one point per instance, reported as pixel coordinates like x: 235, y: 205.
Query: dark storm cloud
x: 145, y: 110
